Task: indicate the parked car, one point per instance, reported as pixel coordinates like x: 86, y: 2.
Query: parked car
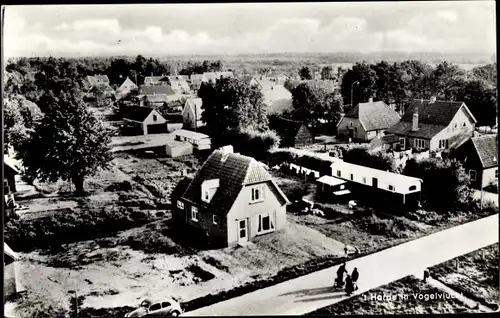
x: 167, y: 307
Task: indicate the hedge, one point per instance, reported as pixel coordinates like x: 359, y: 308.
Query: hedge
x: 253, y: 143
x: 62, y: 228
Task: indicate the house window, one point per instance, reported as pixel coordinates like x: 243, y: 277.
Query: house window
x: 155, y: 118
x: 215, y: 219
x: 350, y: 124
x: 364, y: 179
x: 390, y: 187
x: 265, y: 223
x: 352, y: 176
x: 342, y: 187
x: 472, y: 175
x: 206, y: 196
x: 464, y: 125
x: 194, y: 213
x: 419, y: 143
x: 412, y: 188
x: 339, y: 173
x: 402, y: 142
x: 496, y: 173
x: 257, y: 194
x: 180, y: 204
x: 455, y: 126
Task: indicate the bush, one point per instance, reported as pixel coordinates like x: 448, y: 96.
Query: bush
x: 394, y: 227
x: 253, y: 143
x: 360, y: 155
x: 445, y: 183
x: 62, y: 228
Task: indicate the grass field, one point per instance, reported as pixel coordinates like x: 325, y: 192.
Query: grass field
x: 476, y: 276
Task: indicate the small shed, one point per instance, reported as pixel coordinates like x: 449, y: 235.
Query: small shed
x: 292, y: 133
x: 176, y: 149
x: 198, y: 140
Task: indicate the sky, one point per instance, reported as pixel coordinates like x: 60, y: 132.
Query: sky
x: 197, y: 29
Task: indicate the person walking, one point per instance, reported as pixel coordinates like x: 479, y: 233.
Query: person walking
x: 349, y: 288
x: 354, y: 277
x: 427, y: 274
x: 340, y: 275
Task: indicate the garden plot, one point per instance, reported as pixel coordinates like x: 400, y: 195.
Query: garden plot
x: 109, y: 272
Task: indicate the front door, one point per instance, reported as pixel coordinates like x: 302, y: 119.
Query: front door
x: 351, y: 133
x: 242, y: 231
x: 375, y: 182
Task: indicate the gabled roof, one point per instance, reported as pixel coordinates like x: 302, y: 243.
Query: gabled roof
x: 436, y: 113
x: 265, y: 83
x: 127, y: 81
x: 156, y: 90
x: 139, y: 113
x: 97, y: 79
x: 246, y: 78
x: 389, y: 139
x: 174, y: 103
x: 276, y: 74
x: 155, y: 79
x: 374, y: 115
x: 432, y: 118
x: 181, y: 187
x: 487, y: 150
x: 209, y: 76
x: 9, y: 252
x: 287, y: 128
x: 233, y: 173
x: 195, y: 104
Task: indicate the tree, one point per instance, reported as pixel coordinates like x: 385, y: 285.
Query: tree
x: 70, y: 142
x: 305, y: 73
x: 480, y: 98
x: 309, y: 103
x: 446, y: 81
x: 99, y: 95
x: 334, y: 108
x: 445, y: 183
x: 327, y: 73
x: 230, y: 104
x: 291, y: 84
x: 366, y: 79
x: 486, y: 73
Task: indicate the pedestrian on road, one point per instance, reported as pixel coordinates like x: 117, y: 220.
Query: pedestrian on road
x: 349, y: 288
x: 427, y: 274
x: 346, y: 250
x: 340, y: 275
x: 354, y: 277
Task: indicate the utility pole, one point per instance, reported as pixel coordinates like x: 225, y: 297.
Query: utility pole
x: 352, y: 92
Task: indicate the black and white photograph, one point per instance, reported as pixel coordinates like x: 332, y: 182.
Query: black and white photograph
x: 250, y: 159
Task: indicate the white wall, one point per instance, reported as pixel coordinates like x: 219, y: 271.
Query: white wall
x: 242, y: 208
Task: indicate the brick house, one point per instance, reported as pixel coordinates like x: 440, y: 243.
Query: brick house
x: 434, y: 125
x: 232, y: 199
x: 367, y: 120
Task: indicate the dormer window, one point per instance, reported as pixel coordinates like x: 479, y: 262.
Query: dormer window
x: 208, y: 189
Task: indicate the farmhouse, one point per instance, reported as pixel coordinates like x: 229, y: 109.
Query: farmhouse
x: 292, y: 133
x: 191, y: 114
x: 480, y: 159
x: 232, y: 199
x: 367, y: 120
x: 406, y: 189
x: 199, y: 141
x: 147, y: 120
x: 434, y: 125
x: 125, y: 89
x: 156, y: 96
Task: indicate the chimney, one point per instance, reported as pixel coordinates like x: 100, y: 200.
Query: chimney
x: 433, y: 100
x: 370, y: 100
x: 414, y: 122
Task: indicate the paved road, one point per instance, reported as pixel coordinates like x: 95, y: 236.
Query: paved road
x: 308, y: 293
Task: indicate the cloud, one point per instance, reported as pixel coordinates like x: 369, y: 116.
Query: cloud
x: 448, y: 16
x: 457, y: 27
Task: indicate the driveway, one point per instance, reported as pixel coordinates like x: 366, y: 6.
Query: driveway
x: 310, y: 292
